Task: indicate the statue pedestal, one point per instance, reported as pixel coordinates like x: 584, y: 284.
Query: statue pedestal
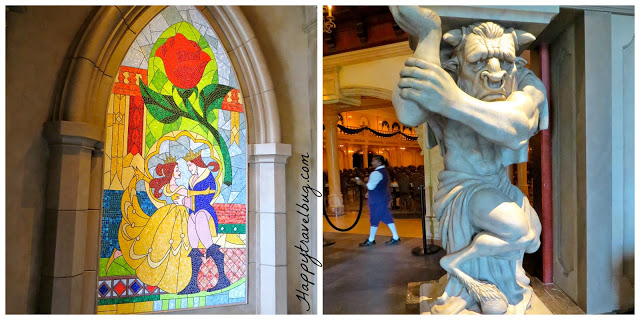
x: 431, y: 290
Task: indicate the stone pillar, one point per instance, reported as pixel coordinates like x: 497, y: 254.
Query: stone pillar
x: 393, y: 161
x: 522, y: 178
x: 268, y: 226
x: 336, y: 206
x: 93, y: 231
x: 349, y: 164
x: 365, y: 156
x: 346, y: 158
x: 66, y: 287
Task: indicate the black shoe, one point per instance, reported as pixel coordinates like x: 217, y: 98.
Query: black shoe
x: 393, y: 242
x: 367, y: 243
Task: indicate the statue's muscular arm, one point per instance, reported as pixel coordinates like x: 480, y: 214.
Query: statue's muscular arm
x: 425, y: 25
x: 509, y: 123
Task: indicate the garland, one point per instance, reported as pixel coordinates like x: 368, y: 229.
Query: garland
x: 377, y: 133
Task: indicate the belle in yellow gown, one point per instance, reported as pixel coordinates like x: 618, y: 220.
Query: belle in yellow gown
x: 157, y: 247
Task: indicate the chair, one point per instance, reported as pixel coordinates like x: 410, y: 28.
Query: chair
x: 404, y: 186
x: 417, y: 180
x: 344, y: 186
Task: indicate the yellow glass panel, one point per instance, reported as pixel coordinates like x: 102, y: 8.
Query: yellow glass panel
x: 107, y: 309
x: 125, y: 308
x: 142, y: 307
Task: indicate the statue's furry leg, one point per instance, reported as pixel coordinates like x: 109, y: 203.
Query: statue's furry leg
x: 483, y: 245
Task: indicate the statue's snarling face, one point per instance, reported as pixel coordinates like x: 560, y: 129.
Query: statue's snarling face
x: 484, y: 60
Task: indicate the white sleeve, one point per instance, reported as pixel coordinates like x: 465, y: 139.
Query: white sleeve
x: 374, y: 178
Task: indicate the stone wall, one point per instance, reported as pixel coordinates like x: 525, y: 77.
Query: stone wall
x: 291, y: 73
x: 37, y: 47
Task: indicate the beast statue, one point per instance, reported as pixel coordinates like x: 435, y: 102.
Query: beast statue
x: 481, y: 106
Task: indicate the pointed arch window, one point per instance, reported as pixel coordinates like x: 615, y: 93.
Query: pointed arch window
x: 173, y: 229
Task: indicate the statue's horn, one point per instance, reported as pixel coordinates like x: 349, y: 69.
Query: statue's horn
x: 522, y: 37
x: 453, y: 37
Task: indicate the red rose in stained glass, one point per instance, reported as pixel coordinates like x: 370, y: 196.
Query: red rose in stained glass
x: 184, y: 61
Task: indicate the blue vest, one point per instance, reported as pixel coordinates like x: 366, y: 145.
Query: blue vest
x: 380, y: 194
x: 203, y: 201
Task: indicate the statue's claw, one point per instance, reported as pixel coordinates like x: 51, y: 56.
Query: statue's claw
x: 491, y: 300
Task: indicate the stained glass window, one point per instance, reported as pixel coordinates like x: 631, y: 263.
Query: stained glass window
x: 173, y: 232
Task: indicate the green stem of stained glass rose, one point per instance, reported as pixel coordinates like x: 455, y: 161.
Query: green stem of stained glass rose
x: 223, y: 146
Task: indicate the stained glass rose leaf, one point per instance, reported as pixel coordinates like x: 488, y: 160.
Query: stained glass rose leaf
x: 161, y: 107
x: 211, y: 99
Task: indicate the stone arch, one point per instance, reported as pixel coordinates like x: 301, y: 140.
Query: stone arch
x: 385, y: 153
x: 75, y: 134
x: 406, y: 158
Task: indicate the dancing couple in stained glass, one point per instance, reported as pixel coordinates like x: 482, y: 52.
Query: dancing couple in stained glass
x: 170, y: 239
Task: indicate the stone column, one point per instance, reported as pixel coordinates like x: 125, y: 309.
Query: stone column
x: 268, y: 226
x: 349, y: 164
x: 93, y: 231
x: 336, y: 207
x: 346, y: 157
x: 393, y: 159
x: 64, y: 261
x: 365, y: 156
x: 522, y: 178
x: 510, y: 173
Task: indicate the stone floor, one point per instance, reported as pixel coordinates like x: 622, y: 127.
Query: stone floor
x: 375, y: 280
x: 554, y: 298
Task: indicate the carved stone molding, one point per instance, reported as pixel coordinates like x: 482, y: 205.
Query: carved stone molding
x: 331, y: 85
x: 247, y: 58
x: 353, y: 91
x: 626, y: 10
x: 369, y: 54
x: 72, y: 133
x: 565, y: 243
x: 269, y: 153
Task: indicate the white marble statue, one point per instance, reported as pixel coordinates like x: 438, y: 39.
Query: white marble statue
x: 481, y: 106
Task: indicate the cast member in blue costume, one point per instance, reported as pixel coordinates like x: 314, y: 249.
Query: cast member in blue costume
x: 379, y: 199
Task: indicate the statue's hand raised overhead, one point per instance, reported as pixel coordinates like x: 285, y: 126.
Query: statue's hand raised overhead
x: 428, y: 85
x: 415, y: 20
x: 426, y: 25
